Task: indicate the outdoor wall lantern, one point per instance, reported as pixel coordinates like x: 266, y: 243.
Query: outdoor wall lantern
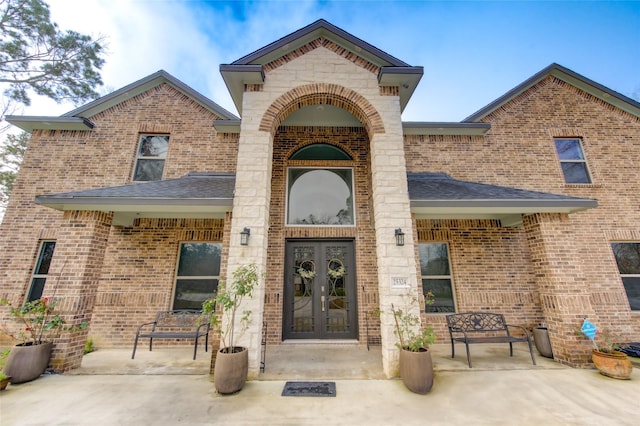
x: 244, y: 237
x: 399, y: 237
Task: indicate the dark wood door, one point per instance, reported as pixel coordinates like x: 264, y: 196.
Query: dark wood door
x: 319, y: 290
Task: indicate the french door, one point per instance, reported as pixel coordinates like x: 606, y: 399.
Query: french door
x: 319, y: 290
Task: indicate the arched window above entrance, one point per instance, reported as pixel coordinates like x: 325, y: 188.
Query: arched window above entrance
x: 320, y: 196
x: 320, y: 151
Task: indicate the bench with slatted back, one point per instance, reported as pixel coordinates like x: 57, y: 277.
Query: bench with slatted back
x: 183, y: 324
x: 484, y: 327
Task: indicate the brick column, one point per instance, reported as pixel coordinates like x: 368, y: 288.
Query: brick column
x: 564, y: 295
x: 77, y: 260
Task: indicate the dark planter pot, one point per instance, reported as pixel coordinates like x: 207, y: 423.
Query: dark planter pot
x: 542, y: 342
x: 416, y: 370
x: 231, y: 370
x: 615, y: 364
x: 27, y: 362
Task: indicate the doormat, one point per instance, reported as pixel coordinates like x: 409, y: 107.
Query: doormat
x: 309, y: 389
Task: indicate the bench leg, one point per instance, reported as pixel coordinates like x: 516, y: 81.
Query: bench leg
x: 510, y: 348
x: 135, y: 345
x: 468, y: 354
x: 195, y: 347
x: 453, y: 349
x: 531, y: 350
x: 206, y: 343
x: 150, y: 344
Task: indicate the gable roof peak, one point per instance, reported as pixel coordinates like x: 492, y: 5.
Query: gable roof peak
x: 313, y: 31
x: 157, y: 78
x: 568, y: 76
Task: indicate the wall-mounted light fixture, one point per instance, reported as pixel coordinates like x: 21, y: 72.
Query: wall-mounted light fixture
x: 399, y: 237
x: 244, y: 237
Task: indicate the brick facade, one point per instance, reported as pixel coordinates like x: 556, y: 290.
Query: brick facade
x: 553, y: 269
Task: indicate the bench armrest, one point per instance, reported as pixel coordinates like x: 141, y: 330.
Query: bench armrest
x: 207, y: 325
x: 144, y: 325
x: 524, y: 330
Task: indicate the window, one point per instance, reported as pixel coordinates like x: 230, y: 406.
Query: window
x: 41, y: 271
x: 572, y: 161
x: 197, y: 275
x: 152, y: 151
x: 320, y: 197
x: 436, y: 276
x: 628, y: 260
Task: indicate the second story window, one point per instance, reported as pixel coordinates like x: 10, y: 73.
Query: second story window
x: 152, y: 151
x: 572, y: 161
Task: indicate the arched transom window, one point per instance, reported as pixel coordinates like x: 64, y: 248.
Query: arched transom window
x: 320, y: 196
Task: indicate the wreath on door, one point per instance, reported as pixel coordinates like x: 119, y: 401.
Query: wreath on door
x: 307, y: 269
x: 336, y: 269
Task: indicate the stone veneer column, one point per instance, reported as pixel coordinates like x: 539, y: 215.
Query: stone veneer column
x: 563, y: 293
x: 251, y: 210
x: 397, y: 273
x: 77, y: 262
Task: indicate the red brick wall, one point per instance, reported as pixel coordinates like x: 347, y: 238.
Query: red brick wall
x: 60, y: 161
x: 519, y: 152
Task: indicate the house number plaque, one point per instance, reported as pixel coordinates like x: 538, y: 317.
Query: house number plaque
x: 399, y: 282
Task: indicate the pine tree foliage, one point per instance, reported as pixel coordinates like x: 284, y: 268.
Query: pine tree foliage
x: 36, y: 56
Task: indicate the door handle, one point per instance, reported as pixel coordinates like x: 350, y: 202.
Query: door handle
x: 322, y: 302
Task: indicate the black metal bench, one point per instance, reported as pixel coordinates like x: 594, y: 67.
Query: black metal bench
x: 483, y: 327
x: 183, y: 324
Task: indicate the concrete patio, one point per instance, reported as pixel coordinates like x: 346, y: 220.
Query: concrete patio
x: 167, y: 387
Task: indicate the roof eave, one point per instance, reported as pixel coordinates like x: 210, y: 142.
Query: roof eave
x: 405, y: 78
x: 236, y: 76
x: 227, y: 126
x: 31, y: 123
x: 503, y: 206
x: 508, y: 212
x: 444, y: 128
x: 130, y: 203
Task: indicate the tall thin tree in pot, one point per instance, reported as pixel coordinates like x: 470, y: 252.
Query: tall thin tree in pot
x: 416, y: 367
x: 232, y: 361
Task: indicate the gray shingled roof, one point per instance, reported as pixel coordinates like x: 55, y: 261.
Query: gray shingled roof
x: 196, y: 195
x: 438, y: 196
x: 440, y: 189
x: 199, y: 188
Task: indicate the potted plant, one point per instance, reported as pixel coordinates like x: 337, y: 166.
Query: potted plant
x: 39, y: 326
x: 232, y: 361
x: 4, y: 379
x: 606, y: 356
x: 416, y: 366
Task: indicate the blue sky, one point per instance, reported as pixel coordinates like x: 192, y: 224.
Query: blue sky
x: 472, y: 51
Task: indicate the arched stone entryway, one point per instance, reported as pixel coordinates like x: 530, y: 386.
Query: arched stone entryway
x: 322, y: 94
